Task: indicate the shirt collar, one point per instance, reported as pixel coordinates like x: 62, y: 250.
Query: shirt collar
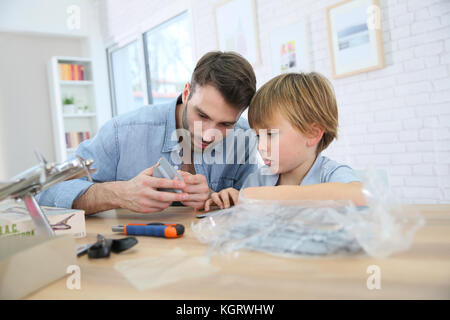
x: 313, y: 173
x: 169, y: 143
x: 272, y: 179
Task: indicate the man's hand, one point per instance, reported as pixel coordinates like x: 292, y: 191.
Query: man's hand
x: 197, y: 188
x: 222, y: 199
x: 140, y: 194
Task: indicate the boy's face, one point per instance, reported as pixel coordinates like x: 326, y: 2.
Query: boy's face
x: 285, y: 148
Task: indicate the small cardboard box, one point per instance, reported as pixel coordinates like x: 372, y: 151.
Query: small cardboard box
x: 15, y: 220
x: 30, y: 263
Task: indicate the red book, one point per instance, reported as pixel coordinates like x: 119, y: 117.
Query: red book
x: 81, y: 77
x: 72, y: 72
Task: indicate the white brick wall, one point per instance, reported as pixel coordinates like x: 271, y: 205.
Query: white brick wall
x: 396, y: 118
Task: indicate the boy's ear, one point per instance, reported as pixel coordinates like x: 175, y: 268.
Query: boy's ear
x: 315, y: 135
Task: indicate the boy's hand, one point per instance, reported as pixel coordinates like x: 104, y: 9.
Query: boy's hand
x: 222, y: 199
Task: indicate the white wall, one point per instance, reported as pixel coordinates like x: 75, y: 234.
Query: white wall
x: 43, y: 16
x: 25, y: 113
x: 31, y: 32
x: 396, y: 118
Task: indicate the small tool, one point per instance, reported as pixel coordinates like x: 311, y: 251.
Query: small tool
x: 154, y: 229
x: 103, y: 247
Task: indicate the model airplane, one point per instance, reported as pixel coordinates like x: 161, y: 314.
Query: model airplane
x: 39, y: 178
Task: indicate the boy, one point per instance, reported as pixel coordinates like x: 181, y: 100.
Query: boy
x: 299, y: 113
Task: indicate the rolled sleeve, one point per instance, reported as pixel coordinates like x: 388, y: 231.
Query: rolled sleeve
x: 63, y: 194
x: 104, y: 150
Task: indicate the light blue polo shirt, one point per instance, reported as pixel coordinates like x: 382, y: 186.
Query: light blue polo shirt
x: 323, y: 170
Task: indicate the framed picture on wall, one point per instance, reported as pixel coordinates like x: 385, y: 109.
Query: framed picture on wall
x: 290, y: 48
x: 354, y: 32
x: 236, y: 28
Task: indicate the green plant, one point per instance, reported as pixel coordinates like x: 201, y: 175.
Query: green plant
x: 67, y: 100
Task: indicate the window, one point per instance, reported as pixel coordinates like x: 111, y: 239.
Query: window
x: 163, y: 54
x: 168, y: 59
x: 126, y: 80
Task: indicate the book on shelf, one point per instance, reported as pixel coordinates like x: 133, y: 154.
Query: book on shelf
x: 16, y: 221
x: 70, y: 71
x: 73, y: 139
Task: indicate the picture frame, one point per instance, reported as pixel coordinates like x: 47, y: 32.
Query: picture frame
x: 237, y: 28
x: 290, y: 48
x: 354, y: 33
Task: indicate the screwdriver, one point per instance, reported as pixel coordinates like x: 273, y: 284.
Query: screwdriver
x: 154, y: 229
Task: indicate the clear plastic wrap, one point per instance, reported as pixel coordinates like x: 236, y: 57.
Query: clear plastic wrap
x: 314, y: 228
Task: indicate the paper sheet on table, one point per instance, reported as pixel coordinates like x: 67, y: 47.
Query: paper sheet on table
x: 172, y: 266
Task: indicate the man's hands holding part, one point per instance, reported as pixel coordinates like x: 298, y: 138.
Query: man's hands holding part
x: 140, y: 194
x: 197, y: 188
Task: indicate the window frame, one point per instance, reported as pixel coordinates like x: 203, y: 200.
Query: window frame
x: 109, y: 52
x: 145, y: 44
x: 144, y: 60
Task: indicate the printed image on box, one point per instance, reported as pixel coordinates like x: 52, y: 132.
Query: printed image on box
x: 15, y: 220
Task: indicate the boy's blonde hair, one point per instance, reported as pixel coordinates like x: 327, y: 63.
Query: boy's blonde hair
x: 303, y: 99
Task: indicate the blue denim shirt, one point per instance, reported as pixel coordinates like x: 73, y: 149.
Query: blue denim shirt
x: 130, y: 143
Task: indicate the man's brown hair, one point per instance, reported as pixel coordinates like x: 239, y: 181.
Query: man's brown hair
x: 228, y: 72
x: 303, y: 99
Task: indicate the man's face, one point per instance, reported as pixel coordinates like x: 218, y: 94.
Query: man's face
x: 207, y: 116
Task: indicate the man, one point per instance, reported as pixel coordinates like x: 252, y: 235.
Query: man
x: 127, y: 147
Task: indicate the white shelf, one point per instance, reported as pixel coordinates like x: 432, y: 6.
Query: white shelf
x: 83, y: 93
x: 66, y: 59
x: 76, y: 82
x: 79, y: 115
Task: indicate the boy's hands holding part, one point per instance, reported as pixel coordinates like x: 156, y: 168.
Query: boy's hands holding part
x: 223, y: 199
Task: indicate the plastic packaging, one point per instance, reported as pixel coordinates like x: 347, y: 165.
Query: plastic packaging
x: 314, y: 228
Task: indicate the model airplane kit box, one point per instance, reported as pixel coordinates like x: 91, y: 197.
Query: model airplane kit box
x: 15, y: 220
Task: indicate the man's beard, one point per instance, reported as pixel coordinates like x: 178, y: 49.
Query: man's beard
x: 185, y: 125
x: 184, y: 121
